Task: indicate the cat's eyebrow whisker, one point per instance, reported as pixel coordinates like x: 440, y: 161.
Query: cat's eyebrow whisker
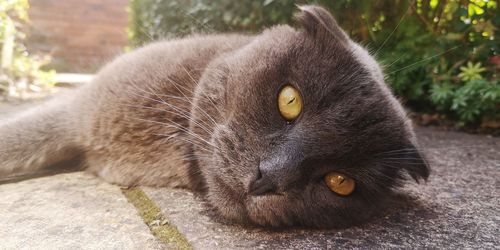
x: 187, y: 98
x: 425, y: 59
x: 188, y: 140
x: 390, y: 64
x: 209, y: 157
x: 197, y: 155
x: 171, y: 112
x: 373, y: 179
x: 205, y: 114
x: 402, y: 162
x: 463, y: 146
x: 180, y: 127
x: 178, y: 86
x: 204, y: 25
x: 194, y: 81
x: 397, y: 155
x: 207, y: 97
x: 179, y: 112
x: 161, y: 101
x: 194, y: 136
x: 428, y: 149
x: 410, y: 4
x: 389, y: 166
x: 400, y: 158
x: 404, y: 150
x: 186, y: 114
x: 214, y: 105
x: 197, y: 144
x: 143, y: 30
x: 409, y: 161
x: 395, y: 61
x: 131, y: 82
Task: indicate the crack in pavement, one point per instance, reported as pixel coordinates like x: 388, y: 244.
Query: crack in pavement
x: 151, y: 214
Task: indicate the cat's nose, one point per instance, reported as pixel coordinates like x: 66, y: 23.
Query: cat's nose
x: 262, y: 185
x: 274, y: 176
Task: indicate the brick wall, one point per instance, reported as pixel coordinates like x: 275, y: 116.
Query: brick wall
x: 81, y: 35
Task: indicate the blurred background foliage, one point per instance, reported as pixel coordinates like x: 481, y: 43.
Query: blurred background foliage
x: 20, y: 72
x: 440, y: 57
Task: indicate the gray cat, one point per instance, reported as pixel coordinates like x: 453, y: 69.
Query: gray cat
x: 289, y: 127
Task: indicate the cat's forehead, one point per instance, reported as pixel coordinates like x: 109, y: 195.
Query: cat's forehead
x: 300, y: 53
x: 319, y: 59
x: 286, y: 55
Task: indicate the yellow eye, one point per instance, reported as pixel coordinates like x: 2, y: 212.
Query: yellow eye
x: 289, y: 103
x: 340, y: 183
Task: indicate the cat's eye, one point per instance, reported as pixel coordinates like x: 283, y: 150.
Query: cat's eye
x: 340, y: 183
x: 289, y: 102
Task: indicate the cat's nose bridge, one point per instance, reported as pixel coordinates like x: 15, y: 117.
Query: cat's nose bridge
x: 275, y: 174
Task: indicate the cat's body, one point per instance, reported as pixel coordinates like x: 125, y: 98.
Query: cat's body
x: 116, y: 120
x: 200, y: 113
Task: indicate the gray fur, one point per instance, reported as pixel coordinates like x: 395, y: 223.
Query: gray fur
x: 201, y: 113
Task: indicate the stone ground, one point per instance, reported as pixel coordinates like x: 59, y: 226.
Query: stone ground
x: 70, y: 211
x: 459, y: 208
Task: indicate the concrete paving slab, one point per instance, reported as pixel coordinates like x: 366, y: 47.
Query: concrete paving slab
x: 70, y: 211
x: 459, y: 208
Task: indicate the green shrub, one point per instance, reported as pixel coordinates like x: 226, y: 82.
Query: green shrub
x: 439, y: 56
x: 154, y: 19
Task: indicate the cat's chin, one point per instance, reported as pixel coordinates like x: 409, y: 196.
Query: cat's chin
x: 266, y: 210
x: 275, y: 210
x: 289, y: 211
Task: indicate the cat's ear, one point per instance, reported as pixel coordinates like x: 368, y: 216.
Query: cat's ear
x: 319, y: 23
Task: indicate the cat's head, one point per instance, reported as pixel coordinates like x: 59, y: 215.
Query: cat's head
x: 305, y: 131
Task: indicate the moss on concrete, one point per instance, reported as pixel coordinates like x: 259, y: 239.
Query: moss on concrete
x: 151, y: 214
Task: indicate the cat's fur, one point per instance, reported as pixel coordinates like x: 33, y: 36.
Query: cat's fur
x: 201, y: 113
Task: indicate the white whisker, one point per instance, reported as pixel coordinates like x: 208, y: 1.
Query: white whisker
x: 425, y: 59
x: 397, y: 26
